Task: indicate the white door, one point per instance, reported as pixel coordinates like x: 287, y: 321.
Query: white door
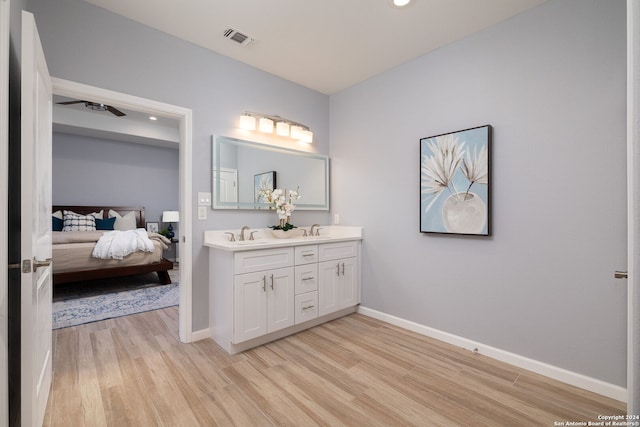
x: 226, y: 182
x: 633, y: 202
x: 4, y: 211
x: 35, y: 319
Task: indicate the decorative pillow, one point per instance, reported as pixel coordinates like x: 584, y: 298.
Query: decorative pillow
x: 57, y: 223
x: 105, y: 224
x: 58, y: 214
x: 127, y: 222
x: 75, y: 222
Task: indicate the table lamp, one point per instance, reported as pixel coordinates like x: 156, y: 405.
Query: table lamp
x: 170, y: 217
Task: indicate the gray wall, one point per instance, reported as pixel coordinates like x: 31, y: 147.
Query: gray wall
x: 552, y: 83
x: 87, y: 44
x: 95, y: 171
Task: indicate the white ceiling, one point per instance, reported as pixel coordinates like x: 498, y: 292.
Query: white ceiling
x: 326, y: 45
x: 134, y: 126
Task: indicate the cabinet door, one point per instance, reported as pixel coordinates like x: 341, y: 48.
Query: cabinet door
x: 349, y: 283
x: 249, y: 306
x: 328, y: 290
x: 280, y: 298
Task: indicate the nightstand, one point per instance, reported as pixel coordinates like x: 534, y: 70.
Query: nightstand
x: 171, y: 253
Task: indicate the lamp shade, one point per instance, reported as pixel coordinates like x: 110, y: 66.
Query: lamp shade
x: 282, y: 128
x: 296, y: 132
x: 247, y: 122
x: 307, y: 136
x: 265, y: 125
x: 170, y: 216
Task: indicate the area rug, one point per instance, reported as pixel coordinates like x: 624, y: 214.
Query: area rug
x: 92, y: 308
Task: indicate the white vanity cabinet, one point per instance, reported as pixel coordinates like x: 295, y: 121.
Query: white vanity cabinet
x: 263, y: 295
x: 339, y: 276
x: 263, y: 291
x: 263, y: 302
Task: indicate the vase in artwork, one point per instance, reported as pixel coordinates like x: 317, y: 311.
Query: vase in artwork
x: 464, y: 213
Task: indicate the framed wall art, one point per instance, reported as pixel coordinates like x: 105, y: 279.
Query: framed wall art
x: 455, y: 182
x: 153, y: 227
x: 263, y: 181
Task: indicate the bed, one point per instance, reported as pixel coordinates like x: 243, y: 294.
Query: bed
x: 72, y: 260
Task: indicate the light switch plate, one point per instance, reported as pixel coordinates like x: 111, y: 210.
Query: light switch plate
x: 204, y: 199
x: 202, y: 212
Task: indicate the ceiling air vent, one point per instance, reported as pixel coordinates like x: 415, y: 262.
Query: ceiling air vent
x: 237, y: 37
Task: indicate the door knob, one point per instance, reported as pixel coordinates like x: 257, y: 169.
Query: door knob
x: 620, y: 274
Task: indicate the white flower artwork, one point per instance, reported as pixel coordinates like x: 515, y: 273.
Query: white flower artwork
x: 454, y: 182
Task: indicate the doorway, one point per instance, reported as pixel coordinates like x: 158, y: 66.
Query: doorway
x: 184, y: 117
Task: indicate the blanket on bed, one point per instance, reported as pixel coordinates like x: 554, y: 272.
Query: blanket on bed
x: 60, y: 237
x: 117, y: 244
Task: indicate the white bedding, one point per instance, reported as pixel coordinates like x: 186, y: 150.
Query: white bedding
x: 72, y: 251
x: 117, y: 244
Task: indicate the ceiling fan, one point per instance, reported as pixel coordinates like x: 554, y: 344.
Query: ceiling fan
x: 96, y: 106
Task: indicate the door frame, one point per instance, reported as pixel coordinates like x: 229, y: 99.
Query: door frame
x: 633, y: 206
x: 4, y: 207
x: 184, y: 116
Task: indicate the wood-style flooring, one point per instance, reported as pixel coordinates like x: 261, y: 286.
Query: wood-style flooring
x: 354, y: 371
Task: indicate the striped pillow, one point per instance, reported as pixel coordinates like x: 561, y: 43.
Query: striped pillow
x: 75, y: 222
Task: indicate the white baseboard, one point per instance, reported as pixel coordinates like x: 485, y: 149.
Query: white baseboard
x: 592, y: 384
x: 200, y: 335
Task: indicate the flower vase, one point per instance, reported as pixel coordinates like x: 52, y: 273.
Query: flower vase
x: 464, y: 213
x: 283, y: 234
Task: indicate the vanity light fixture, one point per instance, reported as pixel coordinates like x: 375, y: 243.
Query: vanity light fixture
x: 283, y: 127
x: 307, y: 136
x: 296, y: 132
x: 247, y: 122
x: 265, y: 125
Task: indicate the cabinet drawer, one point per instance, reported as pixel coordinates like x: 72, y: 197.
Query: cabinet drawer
x: 306, y: 278
x: 264, y: 259
x: 306, y: 307
x: 329, y: 251
x: 306, y: 254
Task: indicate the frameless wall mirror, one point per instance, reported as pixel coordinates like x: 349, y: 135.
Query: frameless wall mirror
x: 242, y: 168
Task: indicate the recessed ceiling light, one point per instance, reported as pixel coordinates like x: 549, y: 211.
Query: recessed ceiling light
x: 401, y: 3
x: 154, y: 118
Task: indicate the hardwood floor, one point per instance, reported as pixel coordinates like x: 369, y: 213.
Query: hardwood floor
x: 355, y: 371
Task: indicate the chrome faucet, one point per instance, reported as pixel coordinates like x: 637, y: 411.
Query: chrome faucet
x: 312, y: 228
x: 245, y: 228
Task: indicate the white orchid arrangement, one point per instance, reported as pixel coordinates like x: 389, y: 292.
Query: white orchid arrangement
x: 282, y: 200
x: 448, y: 155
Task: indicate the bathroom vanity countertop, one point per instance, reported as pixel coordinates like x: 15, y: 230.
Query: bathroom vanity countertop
x: 264, y: 239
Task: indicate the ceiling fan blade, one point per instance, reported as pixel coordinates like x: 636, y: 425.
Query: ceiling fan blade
x: 69, y: 102
x: 115, y: 111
